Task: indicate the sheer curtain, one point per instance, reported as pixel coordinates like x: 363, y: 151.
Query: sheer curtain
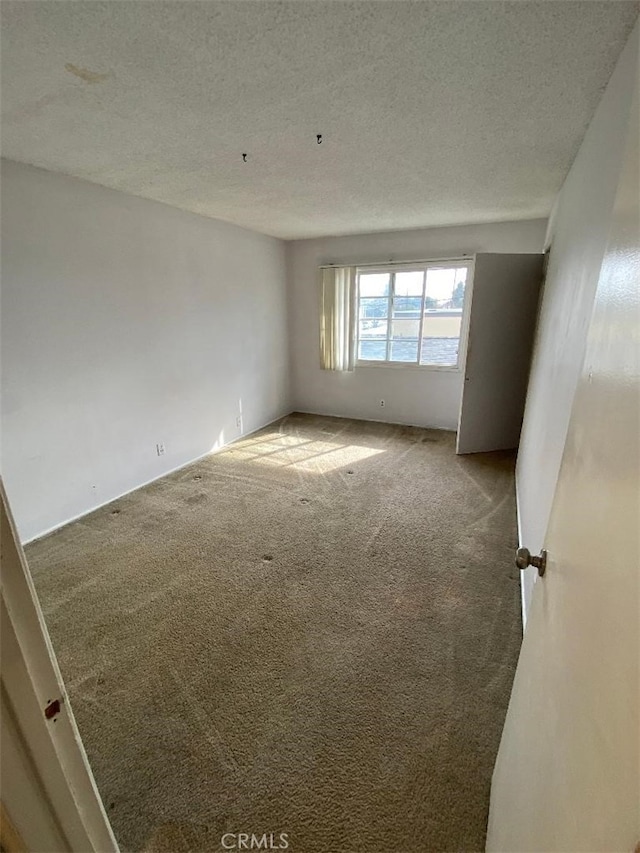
x: 338, y: 318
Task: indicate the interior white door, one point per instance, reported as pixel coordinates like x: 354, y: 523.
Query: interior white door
x: 504, y: 306
x: 48, y: 789
x: 567, y: 776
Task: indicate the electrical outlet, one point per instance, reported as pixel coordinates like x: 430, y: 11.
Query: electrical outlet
x: 239, y: 421
x: 382, y: 404
x: 161, y: 449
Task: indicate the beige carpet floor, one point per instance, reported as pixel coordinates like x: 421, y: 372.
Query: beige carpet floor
x: 313, y: 633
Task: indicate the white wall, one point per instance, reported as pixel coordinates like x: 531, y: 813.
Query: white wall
x: 567, y: 774
x: 421, y: 397
x: 578, y: 232
x: 126, y: 323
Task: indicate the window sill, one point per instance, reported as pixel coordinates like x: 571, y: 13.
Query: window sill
x: 403, y: 365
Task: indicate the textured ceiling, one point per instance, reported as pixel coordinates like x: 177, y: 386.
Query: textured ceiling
x: 432, y: 113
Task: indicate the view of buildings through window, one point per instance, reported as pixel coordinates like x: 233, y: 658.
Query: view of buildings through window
x: 411, y: 315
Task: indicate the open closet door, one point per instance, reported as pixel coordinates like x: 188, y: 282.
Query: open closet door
x: 504, y: 308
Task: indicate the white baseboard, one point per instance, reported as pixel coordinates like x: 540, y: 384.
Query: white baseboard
x: 372, y: 420
x: 148, y: 482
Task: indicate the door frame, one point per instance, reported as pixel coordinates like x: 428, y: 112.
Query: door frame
x: 53, y: 796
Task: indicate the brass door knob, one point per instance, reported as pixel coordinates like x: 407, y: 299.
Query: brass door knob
x: 524, y: 559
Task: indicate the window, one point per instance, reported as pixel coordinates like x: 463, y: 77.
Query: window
x: 411, y: 314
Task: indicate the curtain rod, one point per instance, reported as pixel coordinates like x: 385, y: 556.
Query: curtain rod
x: 399, y: 263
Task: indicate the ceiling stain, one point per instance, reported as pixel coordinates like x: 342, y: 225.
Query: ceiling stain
x: 85, y: 74
x: 29, y: 111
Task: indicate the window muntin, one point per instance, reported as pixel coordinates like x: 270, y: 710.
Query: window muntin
x: 411, y: 315
x: 374, y: 294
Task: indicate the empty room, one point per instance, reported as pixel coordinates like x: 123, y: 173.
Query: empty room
x: 320, y: 413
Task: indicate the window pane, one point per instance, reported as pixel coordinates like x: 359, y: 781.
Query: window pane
x: 372, y: 350
x: 441, y: 336
x: 445, y: 287
x: 374, y: 284
x: 443, y: 316
x: 441, y: 352
x: 404, y: 350
x: 374, y: 307
x: 409, y: 283
x: 405, y: 328
x: 442, y: 324
x: 407, y: 306
x: 457, y: 297
x: 373, y: 329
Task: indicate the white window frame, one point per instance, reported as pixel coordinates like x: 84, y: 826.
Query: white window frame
x: 419, y: 266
